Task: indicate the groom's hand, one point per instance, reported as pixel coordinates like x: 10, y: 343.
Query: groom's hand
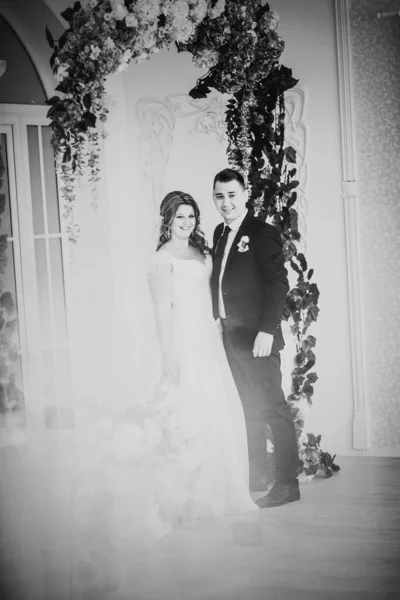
x: 263, y: 344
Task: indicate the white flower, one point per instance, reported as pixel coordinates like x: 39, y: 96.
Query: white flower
x: 303, y: 439
x: 184, y: 31
x: 270, y: 447
x: 131, y: 20
x: 273, y: 21
x: 147, y: 10
x: 206, y: 58
x: 109, y: 44
x: 218, y: 9
x: 62, y: 72
x: 120, y: 12
x: 107, y: 16
x: 95, y: 52
x: 125, y: 58
x: 198, y: 10
x: 243, y: 245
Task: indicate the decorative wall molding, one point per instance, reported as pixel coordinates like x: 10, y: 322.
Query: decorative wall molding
x: 157, y: 122
x: 351, y: 201
x: 158, y: 117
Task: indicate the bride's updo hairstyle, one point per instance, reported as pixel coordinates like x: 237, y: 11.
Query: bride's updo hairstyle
x: 168, y: 210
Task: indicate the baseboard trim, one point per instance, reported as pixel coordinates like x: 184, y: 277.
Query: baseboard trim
x: 372, y: 452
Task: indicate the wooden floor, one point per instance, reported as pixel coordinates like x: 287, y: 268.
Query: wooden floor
x: 342, y: 540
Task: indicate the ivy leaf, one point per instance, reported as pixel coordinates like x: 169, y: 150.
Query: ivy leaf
x: 63, y: 86
x: 308, y: 389
x: 62, y: 40
x: 6, y: 302
x: 309, y: 365
x: 293, y: 184
x: 87, y: 101
x: 310, y: 274
x: 312, y: 377
x: 200, y: 91
x: 3, y: 243
x: 294, y: 218
x: 313, y: 440
x: 292, y: 200
x: 295, y: 235
x: 68, y: 14
x: 314, y: 291
x: 89, y: 119
x: 300, y: 358
x: 162, y: 19
x: 49, y: 37
x: 67, y: 155
x: 310, y: 355
x: 290, y: 154
x: 311, y: 341
x: 296, y: 268
x: 302, y: 260
x: 297, y: 382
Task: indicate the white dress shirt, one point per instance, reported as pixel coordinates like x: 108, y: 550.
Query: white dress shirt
x: 234, y: 226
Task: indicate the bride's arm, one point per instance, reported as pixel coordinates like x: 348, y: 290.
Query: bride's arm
x: 160, y: 282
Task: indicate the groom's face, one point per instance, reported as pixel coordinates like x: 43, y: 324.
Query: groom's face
x: 230, y: 200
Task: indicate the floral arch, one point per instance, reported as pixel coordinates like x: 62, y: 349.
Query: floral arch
x: 238, y: 43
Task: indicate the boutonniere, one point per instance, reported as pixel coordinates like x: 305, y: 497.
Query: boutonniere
x: 243, y: 245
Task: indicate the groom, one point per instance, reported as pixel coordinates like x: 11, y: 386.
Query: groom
x: 249, y: 287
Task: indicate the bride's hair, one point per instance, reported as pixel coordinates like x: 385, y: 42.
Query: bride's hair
x: 168, y: 209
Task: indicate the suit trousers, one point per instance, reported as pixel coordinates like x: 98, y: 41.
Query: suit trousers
x: 259, y: 383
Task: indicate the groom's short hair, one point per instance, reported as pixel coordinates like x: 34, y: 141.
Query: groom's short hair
x: 227, y: 175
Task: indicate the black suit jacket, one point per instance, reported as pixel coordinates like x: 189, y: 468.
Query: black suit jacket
x: 254, y: 284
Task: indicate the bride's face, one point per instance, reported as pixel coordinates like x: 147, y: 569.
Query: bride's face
x: 184, y: 222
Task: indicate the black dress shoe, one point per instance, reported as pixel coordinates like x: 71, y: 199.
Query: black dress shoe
x: 279, y: 495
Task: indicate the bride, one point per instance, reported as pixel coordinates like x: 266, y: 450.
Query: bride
x: 211, y: 469
x: 92, y: 499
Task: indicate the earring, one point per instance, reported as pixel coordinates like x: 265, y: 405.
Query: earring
x: 168, y: 232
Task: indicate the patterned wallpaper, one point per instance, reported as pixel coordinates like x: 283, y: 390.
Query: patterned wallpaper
x: 376, y: 64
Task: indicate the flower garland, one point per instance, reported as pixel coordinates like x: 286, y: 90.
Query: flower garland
x: 239, y: 44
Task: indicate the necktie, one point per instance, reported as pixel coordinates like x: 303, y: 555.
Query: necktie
x: 219, y: 254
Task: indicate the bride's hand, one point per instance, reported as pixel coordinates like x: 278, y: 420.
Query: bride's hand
x: 171, y: 369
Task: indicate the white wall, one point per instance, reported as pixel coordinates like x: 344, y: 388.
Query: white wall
x: 376, y: 81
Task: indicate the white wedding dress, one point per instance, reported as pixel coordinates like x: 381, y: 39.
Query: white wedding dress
x: 180, y: 454
x: 201, y: 446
